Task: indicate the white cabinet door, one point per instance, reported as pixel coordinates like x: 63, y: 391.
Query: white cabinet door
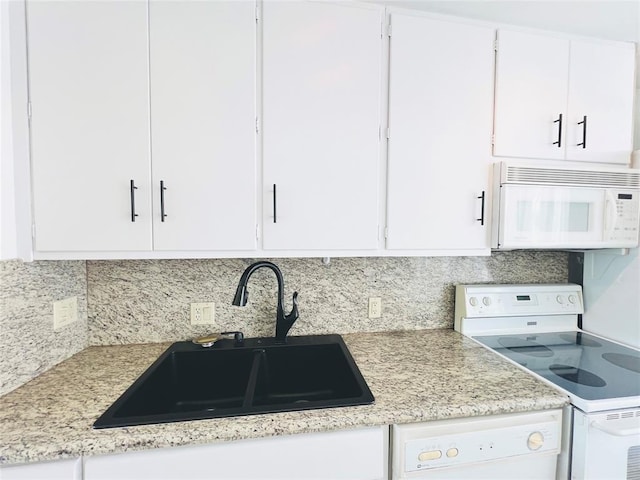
x: 88, y: 84
x: 440, y: 109
x: 350, y: 454
x: 601, y: 90
x: 203, y: 132
x: 539, y: 77
x: 531, y: 93
x: 70, y: 469
x: 321, y: 86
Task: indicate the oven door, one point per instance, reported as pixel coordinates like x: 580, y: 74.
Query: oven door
x: 606, y: 445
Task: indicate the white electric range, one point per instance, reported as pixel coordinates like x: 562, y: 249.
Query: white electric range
x: 536, y: 327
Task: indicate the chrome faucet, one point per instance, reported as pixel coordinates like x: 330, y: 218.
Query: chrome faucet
x: 283, y: 322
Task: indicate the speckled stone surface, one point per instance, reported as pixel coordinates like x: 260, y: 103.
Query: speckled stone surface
x: 415, y: 376
x: 28, y: 343
x: 149, y: 300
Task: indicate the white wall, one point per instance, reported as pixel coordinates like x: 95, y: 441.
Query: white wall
x: 611, y: 19
x: 611, y: 303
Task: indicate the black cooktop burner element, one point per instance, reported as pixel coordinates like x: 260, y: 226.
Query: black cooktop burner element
x: 578, y: 338
x: 577, y: 375
x: 623, y: 360
x: 525, y: 347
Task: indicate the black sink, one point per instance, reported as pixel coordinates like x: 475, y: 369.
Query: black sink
x: 189, y: 382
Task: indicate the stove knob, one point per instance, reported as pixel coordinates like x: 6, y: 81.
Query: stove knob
x: 473, y: 301
x: 572, y: 299
x: 560, y: 299
x: 486, y: 301
x: 535, y: 441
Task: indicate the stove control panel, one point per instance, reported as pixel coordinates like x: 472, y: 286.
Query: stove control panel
x: 481, y: 309
x: 513, y: 300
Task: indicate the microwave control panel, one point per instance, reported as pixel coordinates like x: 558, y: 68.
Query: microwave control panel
x: 626, y: 217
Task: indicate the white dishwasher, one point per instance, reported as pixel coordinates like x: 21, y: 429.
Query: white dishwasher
x: 520, y: 445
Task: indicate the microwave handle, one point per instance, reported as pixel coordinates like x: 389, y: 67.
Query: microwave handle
x: 625, y: 430
x: 609, y: 211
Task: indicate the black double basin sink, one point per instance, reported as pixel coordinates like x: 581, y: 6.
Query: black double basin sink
x: 189, y: 382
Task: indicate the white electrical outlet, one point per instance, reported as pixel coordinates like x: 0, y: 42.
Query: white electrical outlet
x: 375, y: 307
x: 65, y: 312
x: 203, y: 313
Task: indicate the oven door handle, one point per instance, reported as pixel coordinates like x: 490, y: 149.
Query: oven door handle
x: 623, y: 429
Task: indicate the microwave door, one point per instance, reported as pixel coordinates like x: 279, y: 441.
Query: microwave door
x: 551, y: 217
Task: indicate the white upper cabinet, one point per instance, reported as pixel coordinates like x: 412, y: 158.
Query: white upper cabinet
x: 203, y: 124
x: 601, y: 89
x: 440, y: 121
x: 321, y: 112
x: 186, y: 128
x: 129, y: 96
x: 88, y: 87
x: 532, y: 72
x: 545, y: 88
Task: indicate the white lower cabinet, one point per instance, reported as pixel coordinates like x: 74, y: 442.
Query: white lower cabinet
x: 348, y: 454
x: 70, y: 469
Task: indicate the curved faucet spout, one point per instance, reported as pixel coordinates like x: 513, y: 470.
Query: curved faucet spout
x: 283, y: 322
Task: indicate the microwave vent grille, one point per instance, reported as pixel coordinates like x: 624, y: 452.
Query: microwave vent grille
x: 564, y: 176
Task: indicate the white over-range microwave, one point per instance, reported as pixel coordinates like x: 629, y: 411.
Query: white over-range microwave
x: 548, y: 207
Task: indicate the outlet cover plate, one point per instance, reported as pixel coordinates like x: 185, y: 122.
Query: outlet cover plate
x: 65, y: 312
x: 375, y: 307
x: 203, y: 313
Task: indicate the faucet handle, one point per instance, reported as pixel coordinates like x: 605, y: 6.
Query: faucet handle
x: 293, y: 315
x: 285, y: 322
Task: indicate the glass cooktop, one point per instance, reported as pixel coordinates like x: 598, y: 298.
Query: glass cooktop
x: 586, y: 366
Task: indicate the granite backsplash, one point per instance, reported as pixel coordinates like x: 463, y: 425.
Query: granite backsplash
x: 141, y: 301
x: 28, y: 344
x: 144, y: 301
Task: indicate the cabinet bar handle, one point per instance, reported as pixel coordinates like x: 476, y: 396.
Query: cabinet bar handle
x: 584, y: 132
x: 559, y: 122
x: 481, y: 219
x: 133, y: 188
x: 162, y: 189
x: 274, y: 204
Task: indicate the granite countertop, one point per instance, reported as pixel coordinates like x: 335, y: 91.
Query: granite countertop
x: 415, y: 376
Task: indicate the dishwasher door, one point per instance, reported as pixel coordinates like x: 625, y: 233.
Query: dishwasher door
x: 520, y: 445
